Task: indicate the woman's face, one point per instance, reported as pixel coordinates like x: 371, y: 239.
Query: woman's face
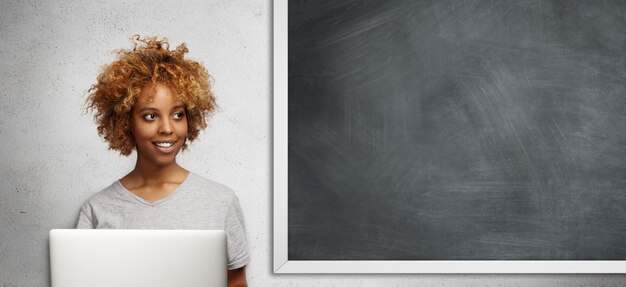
x: 160, y: 126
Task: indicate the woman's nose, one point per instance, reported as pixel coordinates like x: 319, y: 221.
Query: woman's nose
x: 165, y: 127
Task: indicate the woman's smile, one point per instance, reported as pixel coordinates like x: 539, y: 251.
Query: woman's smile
x: 165, y: 146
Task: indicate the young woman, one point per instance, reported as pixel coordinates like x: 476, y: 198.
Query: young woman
x: 153, y: 100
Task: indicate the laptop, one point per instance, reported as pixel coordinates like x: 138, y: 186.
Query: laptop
x: 135, y: 258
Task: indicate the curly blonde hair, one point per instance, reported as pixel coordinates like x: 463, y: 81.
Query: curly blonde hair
x: 148, y: 62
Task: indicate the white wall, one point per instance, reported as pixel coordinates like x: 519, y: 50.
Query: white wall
x: 52, y: 158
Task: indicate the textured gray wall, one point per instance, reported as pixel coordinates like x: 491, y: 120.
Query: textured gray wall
x: 52, y: 158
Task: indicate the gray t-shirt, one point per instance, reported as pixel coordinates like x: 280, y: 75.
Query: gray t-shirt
x: 198, y: 203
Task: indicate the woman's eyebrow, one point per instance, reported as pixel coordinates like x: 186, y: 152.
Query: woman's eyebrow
x: 148, y: 109
x: 155, y: 109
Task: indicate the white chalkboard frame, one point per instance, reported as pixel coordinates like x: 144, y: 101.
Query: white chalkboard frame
x: 281, y: 262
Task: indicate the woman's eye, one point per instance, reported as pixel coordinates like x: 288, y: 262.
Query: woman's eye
x: 149, y: 117
x: 179, y: 115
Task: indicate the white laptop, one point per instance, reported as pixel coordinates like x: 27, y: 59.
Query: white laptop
x: 136, y: 258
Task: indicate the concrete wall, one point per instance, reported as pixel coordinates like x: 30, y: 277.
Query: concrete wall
x: 52, y: 158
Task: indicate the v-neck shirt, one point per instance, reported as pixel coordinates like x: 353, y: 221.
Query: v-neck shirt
x: 123, y: 190
x: 197, y: 203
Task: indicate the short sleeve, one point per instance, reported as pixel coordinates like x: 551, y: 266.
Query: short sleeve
x: 238, y: 255
x: 84, y: 221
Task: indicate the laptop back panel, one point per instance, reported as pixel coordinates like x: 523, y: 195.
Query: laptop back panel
x: 125, y: 258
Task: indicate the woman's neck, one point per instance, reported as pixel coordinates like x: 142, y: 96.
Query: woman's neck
x: 151, y: 174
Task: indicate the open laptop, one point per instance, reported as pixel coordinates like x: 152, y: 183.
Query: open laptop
x: 135, y: 258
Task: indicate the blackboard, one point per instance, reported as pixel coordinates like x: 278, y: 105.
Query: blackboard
x: 456, y: 130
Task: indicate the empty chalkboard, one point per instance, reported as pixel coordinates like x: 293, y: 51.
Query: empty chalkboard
x: 457, y: 130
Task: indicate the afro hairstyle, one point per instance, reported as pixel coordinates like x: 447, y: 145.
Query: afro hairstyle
x: 148, y: 62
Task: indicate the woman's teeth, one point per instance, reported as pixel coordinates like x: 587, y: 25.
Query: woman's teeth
x: 165, y: 145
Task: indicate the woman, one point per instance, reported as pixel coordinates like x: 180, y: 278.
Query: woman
x: 154, y: 100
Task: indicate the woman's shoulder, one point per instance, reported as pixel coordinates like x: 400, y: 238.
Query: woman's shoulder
x: 106, y: 195
x: 209, y: 187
